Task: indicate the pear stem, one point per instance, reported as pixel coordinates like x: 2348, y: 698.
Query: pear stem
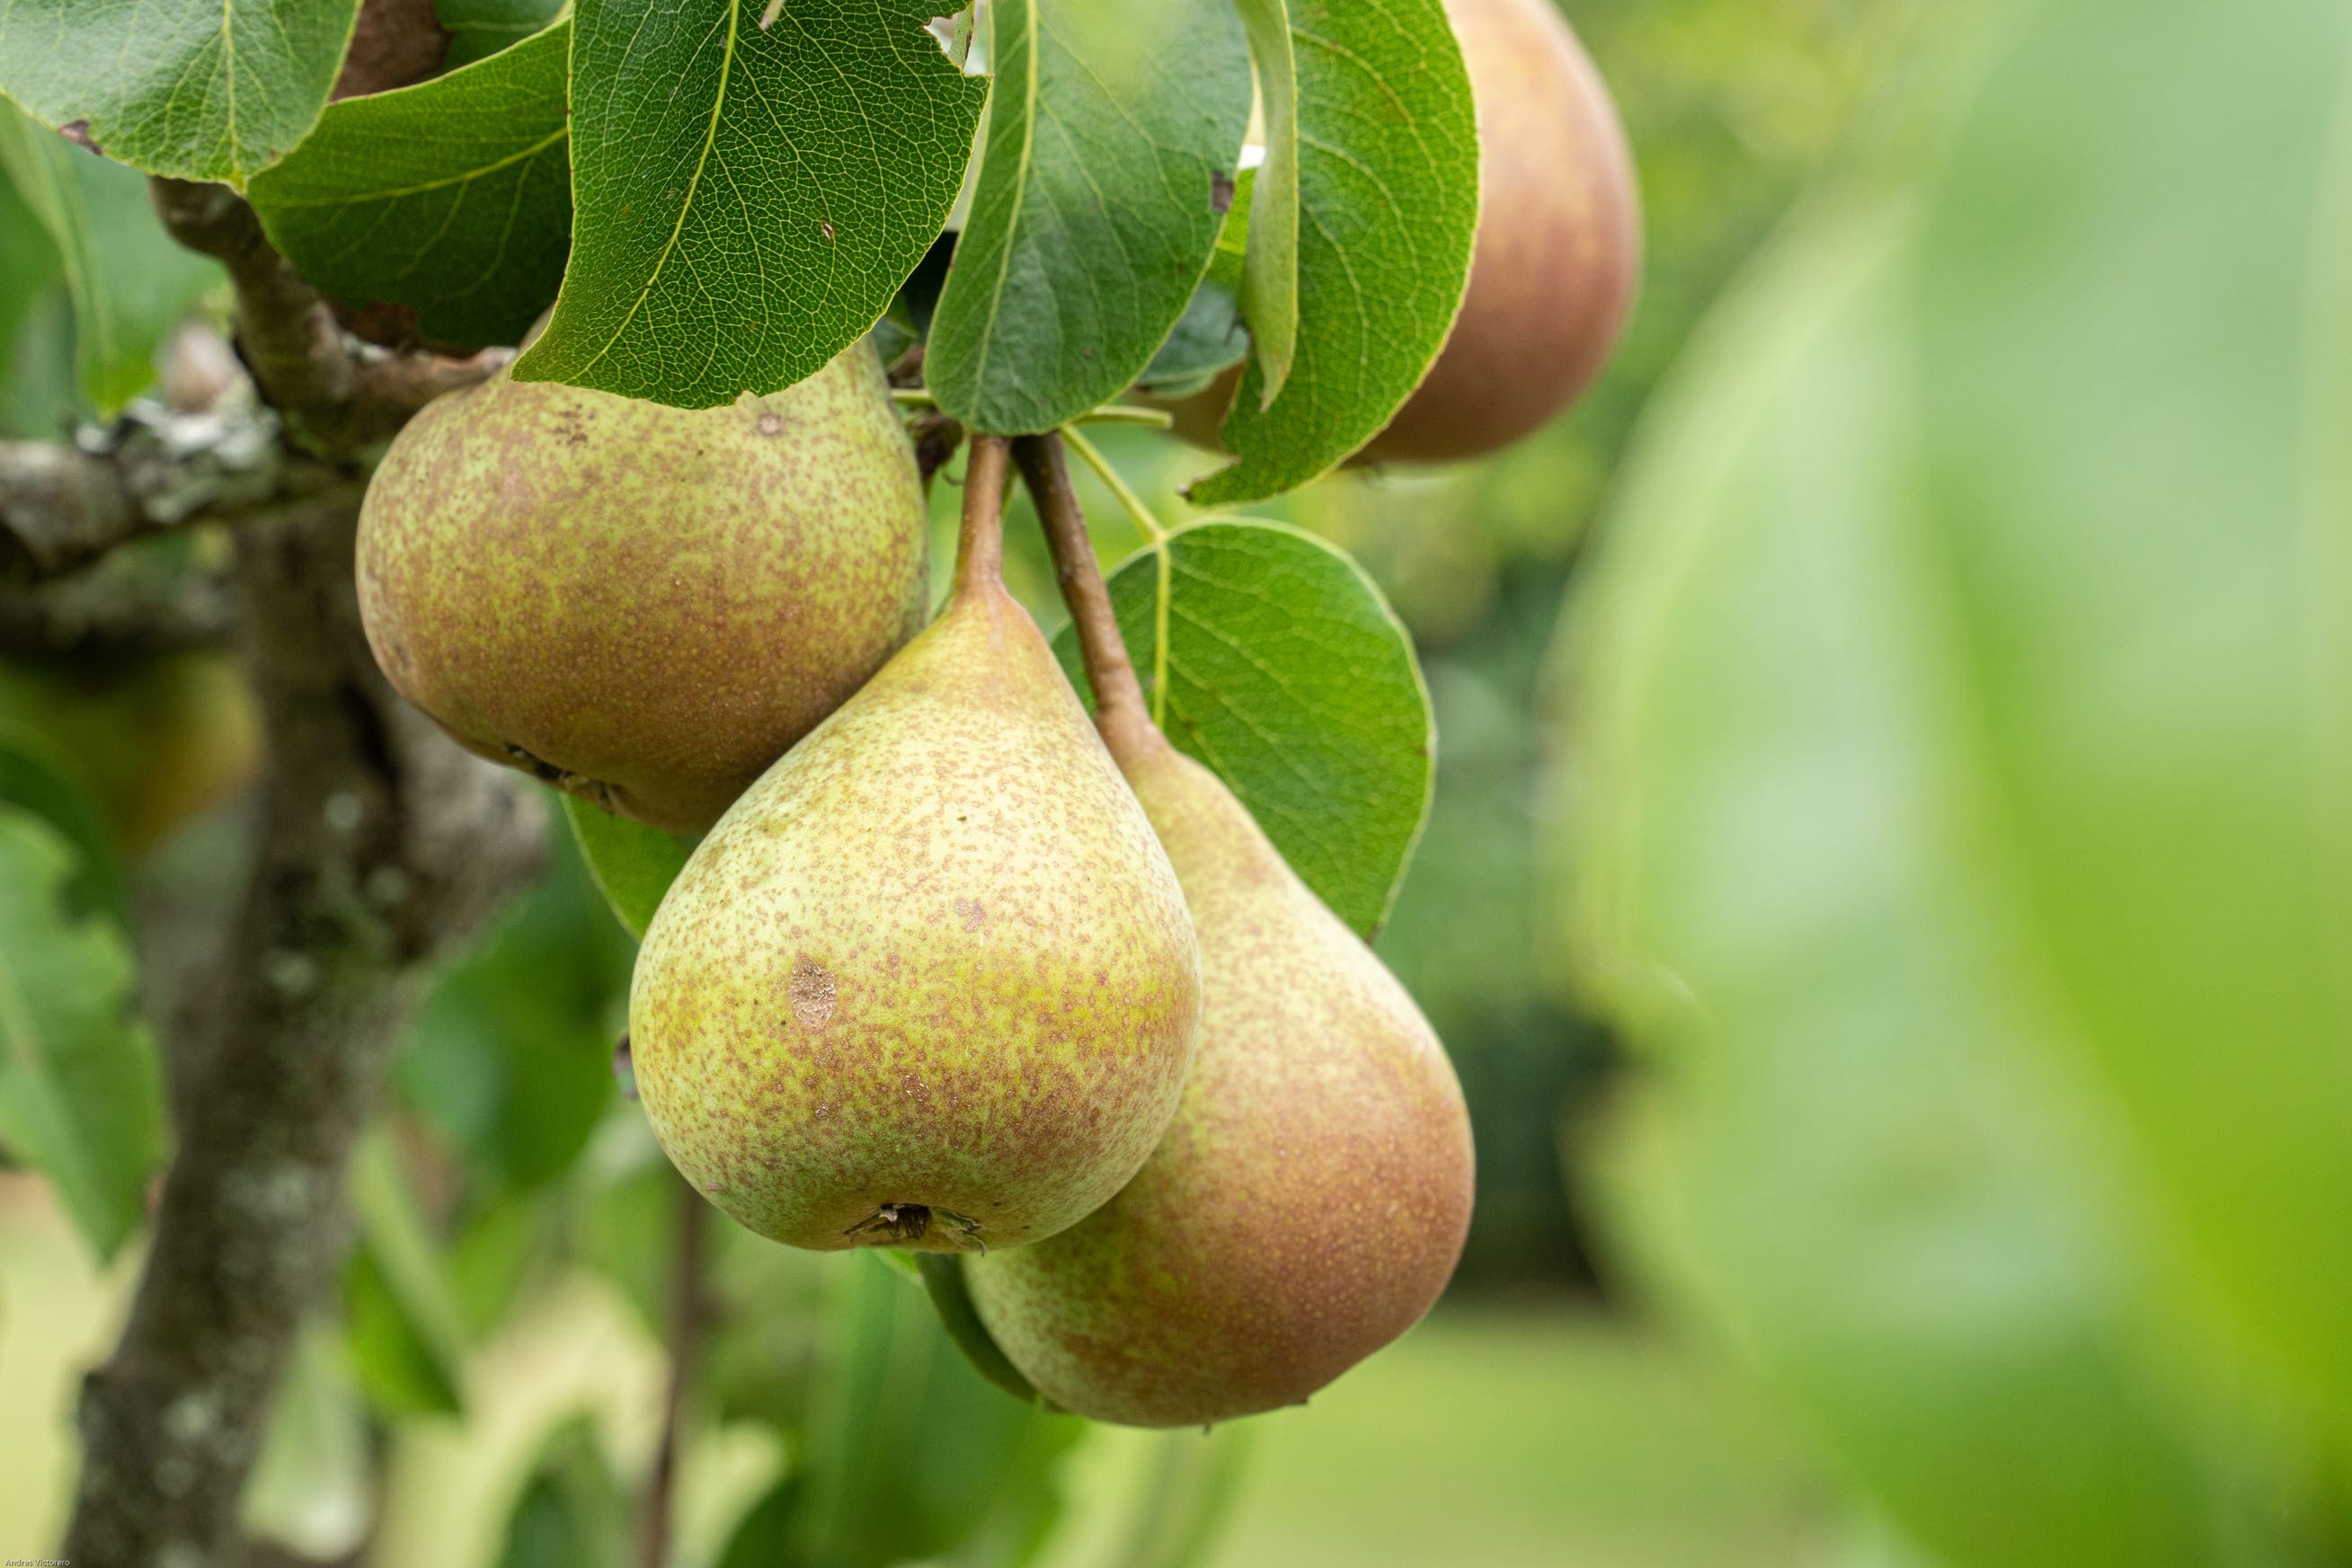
x: 980, y: 546
x: 1120, y: 715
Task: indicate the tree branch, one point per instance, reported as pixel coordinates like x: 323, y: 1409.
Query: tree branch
x: 383, y: 846
x: 62, y: 507
x: 108, y: 612
x: 337, y: 398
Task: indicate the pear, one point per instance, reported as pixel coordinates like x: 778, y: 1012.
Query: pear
x: 157, y: 740
x: 1311, y: 1199
x: 1557, y: 254
x: 643, y: 605
x: 930, y: 982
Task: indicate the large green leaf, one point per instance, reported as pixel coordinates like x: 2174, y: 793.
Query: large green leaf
x: 1113, y: 143
x: 1887, y: 1184
x: 1178, y: 1513
x: 453, y: 196
x: 80, y: 1096
x: 130, y: 284
x: 910, y: 1450
x: 1209, y: 335
x: 1387, y: 208
x: 1269, y: 656
x: 204, y: 89
x: 2139, y: 341
x: 480, y: 29
x: 1964, y: 789
x: 747, y: 198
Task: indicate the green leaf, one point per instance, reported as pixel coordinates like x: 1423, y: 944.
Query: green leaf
x: 2146, y: 542
x: 909, y: 1448
x: 312, y: 1489
x: 632, y: 864
x: 1211, y: 336
x: 406, y: 1336
x: 1269, y: 281
x: 1105, y: 182
x: 1893, y: 1195
x: 1270, y: 657
x: 746, y: 199
x: 1387, y: 208
x: 80, y: 1096
x: 28, y: 264
x: 480, y: 29
x: 36, y: 777
x: 1187, y: 1496
x: 511, y: 1056
x: 764, y: 1537
x: 571, y: 1513
x: 39, y: 399
x: 950, y: 1292
x: 453, y: 196
x: 130, y: 284
x: 202, y: 90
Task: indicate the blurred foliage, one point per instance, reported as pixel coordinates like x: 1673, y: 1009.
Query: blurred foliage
x: 1959, y: 809
x: 512, y: 1169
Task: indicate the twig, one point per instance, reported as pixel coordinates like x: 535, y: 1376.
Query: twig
x: 1130, y: 502
x: 1127, y: 414
x: 337, y: 399
x: 1119, y: 712
x: 686, y: 1321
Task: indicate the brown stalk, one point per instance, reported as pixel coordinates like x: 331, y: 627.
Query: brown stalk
x: 1120, y: 714
x: 979, y: 543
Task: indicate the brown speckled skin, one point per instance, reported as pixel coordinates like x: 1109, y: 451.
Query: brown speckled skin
x: 653, y: 602
x: 1558, y: 257
x: 934, y: 956
x: 1310, y: 1201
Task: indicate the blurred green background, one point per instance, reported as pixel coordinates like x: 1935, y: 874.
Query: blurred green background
x: 517, y: 1218
x: 1971, y: 742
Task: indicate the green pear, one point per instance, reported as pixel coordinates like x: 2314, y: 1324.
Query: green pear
x: 929, y: 983
x: 158, y: 740
x: 1558, y: 254
x: 1310, y: 1201
x: 645, y: 605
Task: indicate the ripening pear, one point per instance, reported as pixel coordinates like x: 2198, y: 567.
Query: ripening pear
x: 1311, y: 1199
x: 643, y: 605
x: 930, y: 982
x: 1557, y: 254
x: 156, y: 740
